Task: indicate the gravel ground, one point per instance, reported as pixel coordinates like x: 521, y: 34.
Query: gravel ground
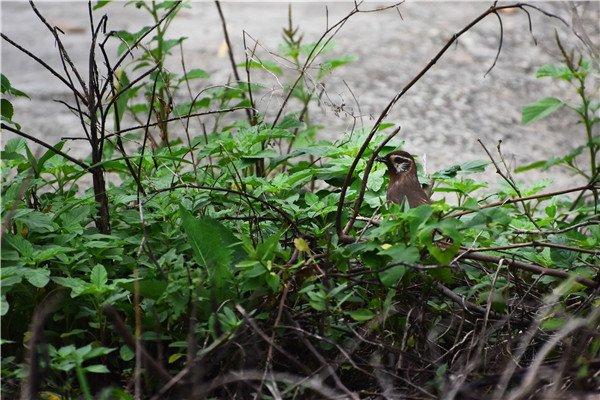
x: 442, y: 115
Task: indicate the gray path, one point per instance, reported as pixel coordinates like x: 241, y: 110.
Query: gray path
x: 442, y: 116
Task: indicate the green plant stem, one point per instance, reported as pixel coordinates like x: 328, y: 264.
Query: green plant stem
x: 585, y: 118
x: 85, y: 388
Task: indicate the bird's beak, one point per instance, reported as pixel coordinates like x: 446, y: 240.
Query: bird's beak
x: 380, y: 159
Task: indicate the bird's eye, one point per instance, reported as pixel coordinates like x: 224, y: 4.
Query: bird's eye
x: 400, y: 159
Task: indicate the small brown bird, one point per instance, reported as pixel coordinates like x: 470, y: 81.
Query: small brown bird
x: 404, y: 183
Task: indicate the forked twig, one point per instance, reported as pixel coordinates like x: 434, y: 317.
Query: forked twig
x: 410, y: 84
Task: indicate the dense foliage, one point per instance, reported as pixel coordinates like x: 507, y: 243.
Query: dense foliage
x: 221, y: 253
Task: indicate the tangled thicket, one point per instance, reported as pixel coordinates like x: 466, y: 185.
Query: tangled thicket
x: 252, y: 259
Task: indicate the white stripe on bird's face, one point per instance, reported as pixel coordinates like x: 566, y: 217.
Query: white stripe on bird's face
x: 401, y: 163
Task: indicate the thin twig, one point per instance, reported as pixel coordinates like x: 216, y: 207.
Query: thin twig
x: 410, y: 84
x: 522, y: 199
x: 536, y: 269
x: 46, y: 145
x: 236, y: 74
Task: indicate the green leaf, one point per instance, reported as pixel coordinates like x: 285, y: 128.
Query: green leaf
x: 38, y: 277
x: 196, y: 73
x: 98, y: 277
x: 100, y: 4
x: 122, y: 81
x: 4, y: 84
x: 35, y: 220
x: 174, y: 357
x: 6, y: 109
x: 540, y: 109
x: 273, y: 281
x: 49, y: 154
x: 385, y: 125
x: 97, y: 369
x: 554, y: 71
x: 20, y: 244
x: 126, y: 353
x: 376, y: 179
x: 212, y: 245
x: 361, y: 315
x: 553, y: 324
x: 4, y: 306
x: 6, y: 87
x: 332, y: 64
x: 401, y: 253
x: 167, y: 45
x: 530, y: 166
x: 266, y: 65
x: 150, y: 288
x: 265, y: 250
x: 391, y: 276
x: 472, y: 166
x: 189, y: 107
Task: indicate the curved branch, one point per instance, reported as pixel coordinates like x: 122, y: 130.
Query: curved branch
x: 536, y: 269
x: 278, y: 210
x: 46, y: 145
x: 387, y: 109
x: 45, y: 65
x: 363, y: 186
x: 225, y: 110
x: 499, y: 45
x: 522, y: 199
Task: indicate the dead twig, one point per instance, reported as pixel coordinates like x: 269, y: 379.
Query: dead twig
x: 493, y: 9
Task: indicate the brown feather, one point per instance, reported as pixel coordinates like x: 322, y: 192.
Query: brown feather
x: 405, y: 185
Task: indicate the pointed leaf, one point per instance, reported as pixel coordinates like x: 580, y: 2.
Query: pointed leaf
x: 540, y: 109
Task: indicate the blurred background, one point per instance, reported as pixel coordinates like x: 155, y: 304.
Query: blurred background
x: 442, y: 116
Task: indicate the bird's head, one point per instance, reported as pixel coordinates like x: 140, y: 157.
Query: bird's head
x: 399, y: 163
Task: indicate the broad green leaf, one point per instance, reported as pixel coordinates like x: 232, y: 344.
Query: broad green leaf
x: 540, y: 109
x: 187, y: 108
x: 150, y: 288
x: 265, y: 64
x: 100, y: 4
x: 98, y: 277
x: 49, y: 154
x: 391, y: 276
x: 196, y: 73
x: 6, y: 87
x: 24, y: 247
x: 361, y: 315
x: 212, y: 245
x: 7, y: 109
x: 553, y: 324
x: 4, y: 84
x: 332, y: 64
x: 126, y: 353
x: 35, y: 220
x: 401, y: 253
x: 38, y: 277
x: 122, y: 81
x: 290, y: 121
x: 174, y: 357
x: 4, y: 306
x: 530, y: 166
x: 385, y: 125
x: 273, y: 281
x: 97, y: 369
x: 472, y: 166
x: 376, y: 179
x: 301, y: 245
x: 554, y: 71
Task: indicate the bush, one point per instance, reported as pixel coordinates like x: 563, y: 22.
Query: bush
x: 255, y: 257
